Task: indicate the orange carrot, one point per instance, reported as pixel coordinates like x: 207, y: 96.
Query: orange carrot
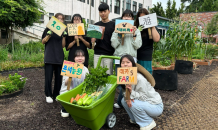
x: 71, y: 100
x: 83, y: 95
x: 77, y: 97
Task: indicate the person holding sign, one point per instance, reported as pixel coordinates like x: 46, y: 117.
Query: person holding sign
x: 53, y: 59
x: 79, y: 57
x: 145, y: 103
x: 72, y: 42
x: 132, y: 42
x: 103, y: 46
x: 144, y: 53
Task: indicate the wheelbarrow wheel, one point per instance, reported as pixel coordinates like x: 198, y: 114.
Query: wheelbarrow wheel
x: 111, y: 120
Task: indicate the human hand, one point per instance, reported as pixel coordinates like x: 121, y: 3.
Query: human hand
x: 134, y: 29
x: 64, y: 34
x: 129, y: 86
x: 93, y: 40
x: 76, y: 37
x: 129, y: 103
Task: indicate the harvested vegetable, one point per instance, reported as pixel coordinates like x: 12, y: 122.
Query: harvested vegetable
x: 71, y: 100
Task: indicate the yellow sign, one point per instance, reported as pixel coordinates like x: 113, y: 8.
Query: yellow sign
x: 76, y: 29
x: 72, y: 69
x: 127, y: 75
x: 56, y: 26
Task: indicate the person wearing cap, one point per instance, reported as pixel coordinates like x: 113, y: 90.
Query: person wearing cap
x: 145, y: 103
x: 53, y: 59
x: 132, y: 42
x: 103, y: 46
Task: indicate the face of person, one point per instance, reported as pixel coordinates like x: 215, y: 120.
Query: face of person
x: 127, y: 17
x: 142, y: 14
x: 80, y: 58
x: 60, y: 18
x: 77, y: 20
x: 104, y: 14
x: 126, y: 62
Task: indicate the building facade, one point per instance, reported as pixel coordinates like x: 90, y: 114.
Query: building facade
x: 71, y: 7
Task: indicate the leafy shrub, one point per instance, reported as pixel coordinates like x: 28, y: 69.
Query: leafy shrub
x: 91, y: 58
x: 165, y: 62
x: 4, y: 53
x: 17, y: 80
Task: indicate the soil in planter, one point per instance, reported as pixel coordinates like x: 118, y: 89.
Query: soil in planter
x: 165, y: 79
x: 184, y: 67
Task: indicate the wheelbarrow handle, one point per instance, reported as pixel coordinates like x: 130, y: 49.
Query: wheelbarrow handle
x: 105, y: 56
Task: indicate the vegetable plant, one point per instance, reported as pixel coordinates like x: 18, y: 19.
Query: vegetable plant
x: 97, y: 78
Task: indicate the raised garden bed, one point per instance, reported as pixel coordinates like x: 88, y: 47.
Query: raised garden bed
x: 202, y: 62
x: 9, y: 95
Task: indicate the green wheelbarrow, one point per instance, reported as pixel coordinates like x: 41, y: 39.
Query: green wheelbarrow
x: 98, y: 113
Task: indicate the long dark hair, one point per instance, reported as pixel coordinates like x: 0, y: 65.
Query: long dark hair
x: 144, y: 32
x: 130, y: 58
x: 79, y: 16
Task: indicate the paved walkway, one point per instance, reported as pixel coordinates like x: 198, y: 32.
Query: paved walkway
x: 196, y: 110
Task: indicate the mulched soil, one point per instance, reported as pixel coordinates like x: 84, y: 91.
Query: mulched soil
x: 30, y: 111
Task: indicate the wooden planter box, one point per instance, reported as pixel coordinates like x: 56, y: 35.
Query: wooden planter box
x: 195, y: 65
x: 162, y: 68
x: 202, y: 62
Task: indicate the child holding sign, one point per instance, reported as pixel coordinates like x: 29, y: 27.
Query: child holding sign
x: 144, y: 53
x: 79, y: 57
x: 83, y: 44
x: 145, y: 103
x: 132, y: 42
x: 53, y: 59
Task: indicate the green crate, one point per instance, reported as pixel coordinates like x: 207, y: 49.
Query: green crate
x: 95, y: 115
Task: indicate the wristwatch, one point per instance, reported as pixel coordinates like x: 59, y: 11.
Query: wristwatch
x: 134, y: 35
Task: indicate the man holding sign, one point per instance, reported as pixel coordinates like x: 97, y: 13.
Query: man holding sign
x: 103, y: 46
x: 144, y: 53
x: 141, y: 101
x: 54, y: 55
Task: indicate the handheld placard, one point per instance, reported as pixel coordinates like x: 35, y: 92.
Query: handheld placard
x: 71, y: 69
x: 56, y: 26
x: 75, y: 30
x: 95, y: 31
x: 127, y: 75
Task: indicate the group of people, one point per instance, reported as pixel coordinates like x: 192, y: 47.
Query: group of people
x: 145, y: 103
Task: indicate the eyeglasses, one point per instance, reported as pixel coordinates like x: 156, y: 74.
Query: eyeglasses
x: 77, y: 20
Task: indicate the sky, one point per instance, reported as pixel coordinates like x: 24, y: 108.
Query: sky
x: 164, y: 3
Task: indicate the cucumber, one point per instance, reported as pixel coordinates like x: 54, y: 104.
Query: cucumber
x: 84, y: 102
x: 80, y: 102
x: 89, y: 101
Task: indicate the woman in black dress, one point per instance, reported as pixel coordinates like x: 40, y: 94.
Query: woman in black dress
x: 72, y: 42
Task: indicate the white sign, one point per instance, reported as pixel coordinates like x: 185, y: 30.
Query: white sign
x: 148, y: 21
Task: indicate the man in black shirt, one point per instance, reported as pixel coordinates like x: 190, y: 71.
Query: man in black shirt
x: 103, y: 47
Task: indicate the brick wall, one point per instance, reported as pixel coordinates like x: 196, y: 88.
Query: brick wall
x: 201, y: 17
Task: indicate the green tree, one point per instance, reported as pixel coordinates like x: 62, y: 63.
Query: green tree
x: 158, y: 9
x: 181, y: 9
x: 171, y: 10
x: 209, y: 5
x: 19, y: 13
x: 212, y: 26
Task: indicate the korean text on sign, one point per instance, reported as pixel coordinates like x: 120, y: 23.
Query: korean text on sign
x: 127, y: 75
x: 76, y: 29
x: 72, y: 69
x: 124, y: 26
x: 56, y: 26
x: 148, y: 21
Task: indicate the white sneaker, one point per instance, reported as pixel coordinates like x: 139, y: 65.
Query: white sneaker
x: 149, y: 127
x: 116, y: 105
x: 132, y: 121
x: 49, y: 100
x: 64, y: 114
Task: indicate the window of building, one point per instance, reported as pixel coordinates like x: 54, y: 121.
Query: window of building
x: 140, y: 5
x: 50, y: 15
x: 88, y: 21
x: 87, y: 1
x: 104, y: 1
x: 128, y: 4
x: 117, y: 6
x: 92, y: 3
x: 123, y: 6
x: 3, y: 34
x: 67, y: 19
x: 111, y: 6
x: 41, y: 20
x: 134, y: 7
x: 82, y: 0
